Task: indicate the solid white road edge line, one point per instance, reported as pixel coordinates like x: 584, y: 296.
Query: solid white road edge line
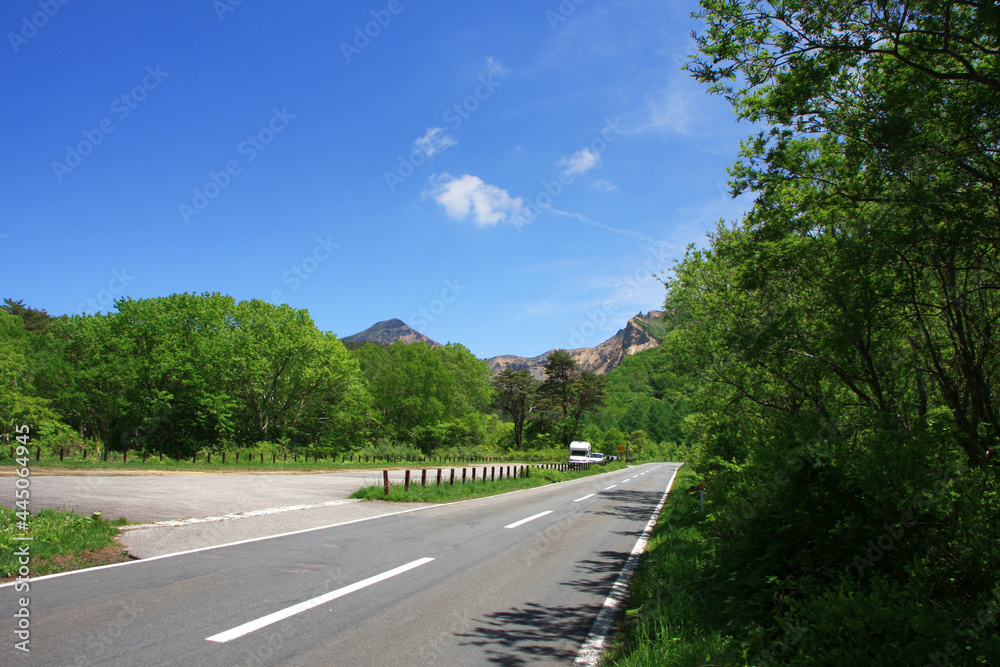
x: 281, y: 615
x: 530, y: 518
x: 590, y: 651
x: 589, y: 495
x: 611, y: 487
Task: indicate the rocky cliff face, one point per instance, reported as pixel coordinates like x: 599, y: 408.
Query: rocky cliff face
x: 601, y: 359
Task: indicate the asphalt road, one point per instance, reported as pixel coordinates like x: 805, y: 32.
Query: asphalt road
x: 516, y: 579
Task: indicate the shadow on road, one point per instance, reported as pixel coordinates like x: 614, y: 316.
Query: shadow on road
x: 535, y: 633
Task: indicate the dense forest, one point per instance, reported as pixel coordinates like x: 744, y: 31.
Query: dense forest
x: 190, y: 373
x: 841, y: 340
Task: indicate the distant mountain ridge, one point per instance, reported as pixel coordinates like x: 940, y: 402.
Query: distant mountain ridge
x: 601, y: 359
x: 388, y: 332
x: 639, y: 334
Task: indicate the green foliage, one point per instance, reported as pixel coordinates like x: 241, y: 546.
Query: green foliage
x: 35, y: 321
x: 432, y: 397
x: 184, y: 373
x: 60, y: 541
x: 676, y: 613
x: 565, y: 397
x: 387, y: 449
x: 645, y: 393
x: 840, y: 342
x: 515, y: 396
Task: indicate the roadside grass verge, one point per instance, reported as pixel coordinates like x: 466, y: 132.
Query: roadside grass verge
x: 60, y: 541
x: 675, y: 614
x: 445, y: 493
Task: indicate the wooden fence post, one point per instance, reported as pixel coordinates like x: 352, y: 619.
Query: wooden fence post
x: 385, y: 481
x: 452, y: 482
x: 439, y: 477
x: 493, y: 473
x: 124, y: 456
x: 406, y: 481
x: 464, y: 470
x: 473, y: 474
x: 423, y: 477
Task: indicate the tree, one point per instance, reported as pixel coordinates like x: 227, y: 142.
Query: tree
x: 842, y: 337
x: 881, y: 147
x: 426, y: 396
x: 35, y: 321
x: 590, y: 395
x: 514, y: 396
x: 569, y: 393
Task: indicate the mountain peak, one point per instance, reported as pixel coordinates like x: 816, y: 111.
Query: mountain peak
x: 601, y: 359
x: 388, y: 332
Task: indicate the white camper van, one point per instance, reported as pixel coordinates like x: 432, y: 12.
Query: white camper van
x: 579, y: 451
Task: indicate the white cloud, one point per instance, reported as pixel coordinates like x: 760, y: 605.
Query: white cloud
x: 436, y: 140
x: 600, y: 225
x: 468, y: 195
x: 680, y: 108
x: 605, y: 185
x: 580, y: 162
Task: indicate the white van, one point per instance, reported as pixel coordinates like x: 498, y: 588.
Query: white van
x: 579, y: 451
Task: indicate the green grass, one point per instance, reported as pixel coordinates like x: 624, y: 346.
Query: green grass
x: 432, y: 493
x: 60, y: 541
x: 673, y: 614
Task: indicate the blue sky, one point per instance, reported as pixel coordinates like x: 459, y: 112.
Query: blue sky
x: 503, y: 175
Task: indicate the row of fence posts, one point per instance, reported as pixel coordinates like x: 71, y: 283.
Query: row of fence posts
x: 274, y: 457
x: 513, y: 472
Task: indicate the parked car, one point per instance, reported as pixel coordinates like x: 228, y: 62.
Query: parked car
x: 596, y: 457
